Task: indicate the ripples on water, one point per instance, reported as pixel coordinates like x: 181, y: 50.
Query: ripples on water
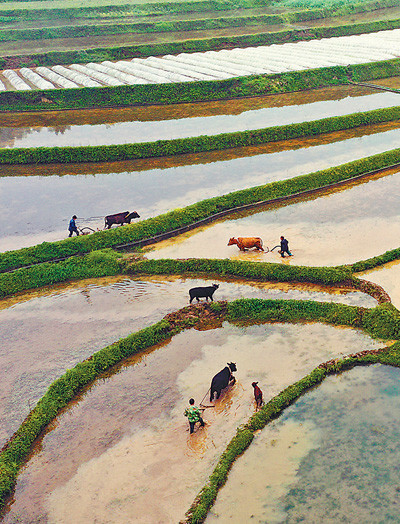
x: 331, y: 457
x: 122, y: 452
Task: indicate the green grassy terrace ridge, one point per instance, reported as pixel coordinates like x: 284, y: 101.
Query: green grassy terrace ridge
x: 208, y: 22
x: 200, y: 144
x: 206, y: 6
x: 165, y: 94
x: 184, y: 218
x: 204, y: 44
x: 382, y: 321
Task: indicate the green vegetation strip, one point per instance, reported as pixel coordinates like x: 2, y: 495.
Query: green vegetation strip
x: 174, y: 8
x: 96, y: 264
x: 201, y: 144
x: 245, y: 434
x: 382, y: 321
x: 204, y: 44
x: 73, y: 31
x: 150, y: 9
x: 201, y: 210
x: 262, y: 271
x: 165, y: 94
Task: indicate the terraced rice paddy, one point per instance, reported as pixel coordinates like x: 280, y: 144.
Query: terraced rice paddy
x: 321, y: 460
x: 137, y: 131
x: 340, y: 228
x: 132, y: 436
x: 93, y: 314
x: 158, y: 190
x: 119, y: 449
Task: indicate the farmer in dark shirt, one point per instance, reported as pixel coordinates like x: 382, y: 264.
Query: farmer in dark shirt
x: 72, y: 226
x: 285, y: 247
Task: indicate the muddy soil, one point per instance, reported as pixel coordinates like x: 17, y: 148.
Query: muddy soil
x: 341, y: 228
x: 156, y: 191
x: 331, y: 457
x: 123, y: 453
x: 62, y: 325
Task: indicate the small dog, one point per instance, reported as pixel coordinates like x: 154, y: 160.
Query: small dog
x: 257, y: 395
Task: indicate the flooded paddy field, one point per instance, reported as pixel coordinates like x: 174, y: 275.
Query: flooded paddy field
x: 387, y: 276
x: 140, y: 130
x: 122, y: 452
x: 159, y: 190
x: 151, y: 113
x: 331, y: 457
x: 336, y: 228
x: 46, y: 332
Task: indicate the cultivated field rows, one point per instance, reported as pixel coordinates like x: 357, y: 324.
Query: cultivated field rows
x: 211, y: 65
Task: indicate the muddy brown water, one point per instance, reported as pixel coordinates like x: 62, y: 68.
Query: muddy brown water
x: 331, y: 457
x: 136, y: 131
x: 153, y: 113
x: 48, y: 331
x: 387, y: 276
x: 122, y: 453
x: 159, y: 190
x: 337, y: 228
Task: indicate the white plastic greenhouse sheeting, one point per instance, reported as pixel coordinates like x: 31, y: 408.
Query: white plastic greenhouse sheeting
x: 2, y: 86
x: 36, y: 79
x: 15, y: 80
x: 111, y: 71
x: 126, y: 68
x: 178, y: 68
x: 55, y: 77
x: 75, y: 76
x: 103, y: 77
x: 193, y: 65
x: 165, y: 76
x: 188, y: 67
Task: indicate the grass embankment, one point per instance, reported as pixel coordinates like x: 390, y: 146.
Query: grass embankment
x: 191, y: 215
x: 27, y: 13
x: 382, y: 321
x: 166, y: 94
x: 194, y: 45
x: 95, y: 264
x: 210, y: 21
x: 272, y: 409
x: 201, y: 144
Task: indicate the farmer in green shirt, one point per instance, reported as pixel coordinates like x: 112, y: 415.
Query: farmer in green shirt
x: 193, y: 414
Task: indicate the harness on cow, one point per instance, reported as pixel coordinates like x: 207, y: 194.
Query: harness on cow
x: 202, y: 400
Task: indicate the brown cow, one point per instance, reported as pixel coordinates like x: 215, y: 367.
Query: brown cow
x: 258, y: 396
x: 244, y: 243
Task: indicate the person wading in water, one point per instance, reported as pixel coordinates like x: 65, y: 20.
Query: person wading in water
x: 285, y: 247
x: 193, y: 413
x: 72, y: 226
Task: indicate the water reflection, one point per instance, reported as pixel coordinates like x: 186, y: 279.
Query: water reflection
x: 332, y: 457
x: 139, y: 131
x: 387, y: 276
x: 339, y: 228
x: 58, y: 327
x: 158, y: 190
x: 123, y: 453
x: 154, y: 113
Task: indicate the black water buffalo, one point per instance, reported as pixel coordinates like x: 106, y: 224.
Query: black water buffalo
x: 222, y: 379
x: 120, y: 218
x: 202, y: 292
